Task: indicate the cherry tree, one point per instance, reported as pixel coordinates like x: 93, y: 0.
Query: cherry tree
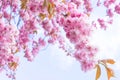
x: 27, y: 26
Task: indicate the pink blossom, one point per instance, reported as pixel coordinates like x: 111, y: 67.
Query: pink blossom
x: 87, y: 65
x: 110, y: 21
x: 81, y: 56
x: 51, y: 41
x: 33, y: 7
x: 77, y: 2
x: 71, y: 6
x: 102, y: 23
x: 72, y: 35
x: 80, y: 45
x: 117, y: 8
x: 41, y: 42
x: 86, y: 58
x: 98, y: 3
x: 110, y: 13
x: 6, y: 15
x: 87, y: 5
x: 28, y: 55
x: 35, y: 51
x: 94, y: 24
x: 46, y: 25
x: 107, y: 3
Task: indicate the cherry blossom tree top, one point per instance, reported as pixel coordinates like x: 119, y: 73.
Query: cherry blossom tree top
x: 21, y: 21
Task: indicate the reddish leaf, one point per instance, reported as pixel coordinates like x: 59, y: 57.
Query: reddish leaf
x: 13, y: 65
x: 45, y: 3
x: 42, y: 16
x: 23, y: 4
x: 110, y: 61
x: 98, y: 72
x: 109, y: 73
x: 63, y: 1
x: 50, y: 9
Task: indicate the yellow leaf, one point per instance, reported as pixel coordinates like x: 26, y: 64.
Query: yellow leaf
x: 23, y: 4
x: 110, y: 61
x: 1, y: 15
x: 35, y: 32
x: 17, y: 50
x: 42, y: 16
x: 110, y: 73
x: 45, y: 3
x: 50, y: 16
x: 98, y: 72
x: 63, y: 1
x: 13, y: 65
x: 50, y: 9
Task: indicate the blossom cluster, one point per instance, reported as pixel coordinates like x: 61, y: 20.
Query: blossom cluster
x: 21, y: 20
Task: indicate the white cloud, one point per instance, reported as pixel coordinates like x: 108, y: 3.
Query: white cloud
x: 108, y: 41
x: 61, y: 60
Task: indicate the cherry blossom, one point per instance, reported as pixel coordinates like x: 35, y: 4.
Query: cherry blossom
x: 52, y: 21
x: 117, y: 8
